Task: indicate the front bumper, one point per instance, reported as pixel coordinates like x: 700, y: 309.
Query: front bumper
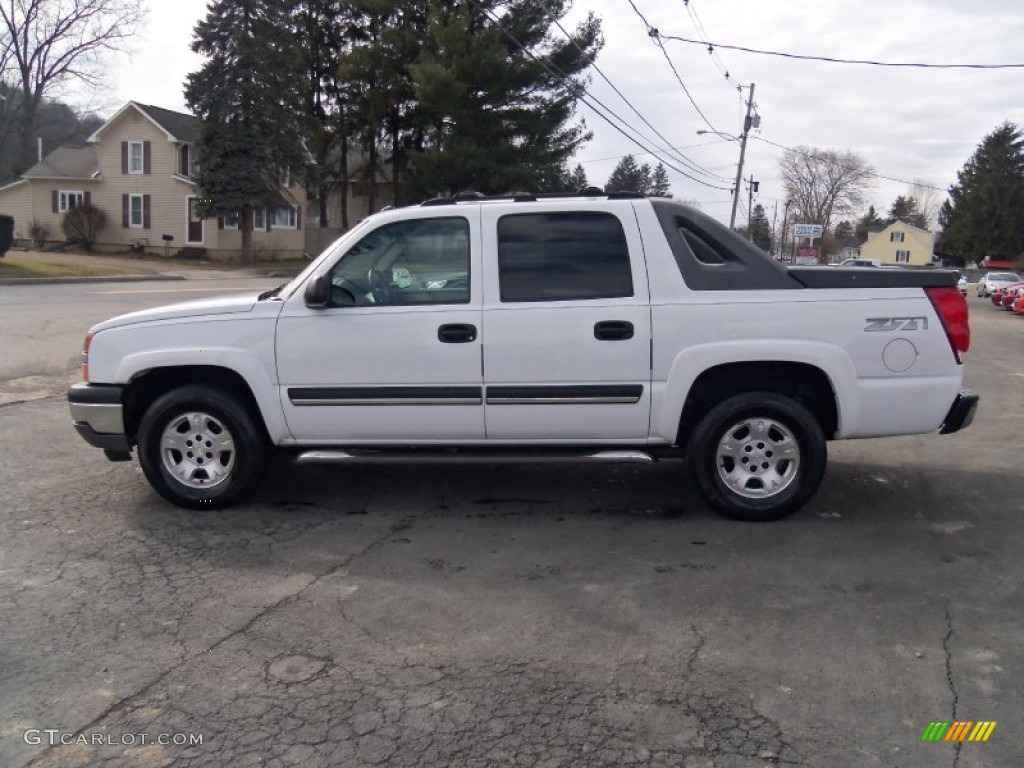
x: 97, y: 412
x: 961, y: 413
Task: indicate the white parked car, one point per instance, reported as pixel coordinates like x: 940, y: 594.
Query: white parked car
x: 962, y: 285
x: 993, y: 280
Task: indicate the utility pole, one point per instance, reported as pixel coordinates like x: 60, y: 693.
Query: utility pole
x: 751, y: 189
x: 743, y: 152
x: 775, y: 220
x: 785, y: 221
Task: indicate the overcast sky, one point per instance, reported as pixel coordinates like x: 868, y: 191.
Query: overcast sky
x: 909, y: 124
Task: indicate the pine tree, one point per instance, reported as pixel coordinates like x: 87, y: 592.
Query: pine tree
x: 760, y: 229
x: 578, y: 179
x: 659, y: 182
x: 982, y: 217
x: 867, y: 223
x: 627, y: 176
x: 845, y: 235
x: 496, y: 89
x: 904, y: 208
x: 250, y: 106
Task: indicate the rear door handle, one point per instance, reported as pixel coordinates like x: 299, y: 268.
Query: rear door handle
x: 613, y: 330
x: 456, y: 333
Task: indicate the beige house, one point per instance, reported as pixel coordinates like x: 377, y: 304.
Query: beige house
x: 901, y: 244
x: 139, y: 169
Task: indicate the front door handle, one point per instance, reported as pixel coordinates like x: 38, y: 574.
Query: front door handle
x: 613, y: 330
x: 456, y: 333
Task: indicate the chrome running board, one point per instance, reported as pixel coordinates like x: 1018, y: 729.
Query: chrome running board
x: 406, y: 456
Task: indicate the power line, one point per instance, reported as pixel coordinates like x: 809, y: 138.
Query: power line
x: 663, y: 149
x: 849, y: 168
x: 558, y: 73
x: 653, y: 32
x: 703, y: 35
x: 656, y: 37
x: 691, y: 164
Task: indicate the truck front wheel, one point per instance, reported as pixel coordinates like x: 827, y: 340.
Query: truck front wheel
x: 757, y: 456
x: 199, y: 447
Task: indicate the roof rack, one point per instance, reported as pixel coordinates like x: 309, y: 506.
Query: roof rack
x: 530, y: 197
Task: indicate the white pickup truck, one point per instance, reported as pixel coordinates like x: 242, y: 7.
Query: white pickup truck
x: 604, y: 327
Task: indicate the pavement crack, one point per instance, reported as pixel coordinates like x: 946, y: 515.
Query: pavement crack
x: 949, y: 677
x: 691, y: 662
x: 126, y: 701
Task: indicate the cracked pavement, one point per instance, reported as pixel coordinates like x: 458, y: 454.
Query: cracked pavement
x: 519, y: 615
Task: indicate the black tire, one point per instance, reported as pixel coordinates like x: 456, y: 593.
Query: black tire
x: 771, y: 466
x: 233, y: 453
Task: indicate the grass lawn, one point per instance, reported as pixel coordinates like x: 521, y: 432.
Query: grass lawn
x: 55, y: 265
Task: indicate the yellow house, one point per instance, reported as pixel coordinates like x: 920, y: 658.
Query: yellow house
x: 900, y: 244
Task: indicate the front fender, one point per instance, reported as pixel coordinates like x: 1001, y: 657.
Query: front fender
x: 245, y: 347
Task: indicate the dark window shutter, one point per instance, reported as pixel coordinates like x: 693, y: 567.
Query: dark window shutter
x: 88, y: 197
x: 124, y: 157
x: 147, y: 156
x: 184, y: 160
x: 266, y: 216
x: 220, y: 222
x: 298, y: 217
x: 145, y: 212
x: 55, y: 199
x: 124, y: 211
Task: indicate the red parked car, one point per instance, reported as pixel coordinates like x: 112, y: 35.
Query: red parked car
x: 1018, y: 304
x: 1001, y: 294
x: 1010, y: 294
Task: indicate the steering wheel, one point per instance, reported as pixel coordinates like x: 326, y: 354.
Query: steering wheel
x: 380, y: 286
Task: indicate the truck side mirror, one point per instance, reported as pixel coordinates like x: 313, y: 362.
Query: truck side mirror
x: 318, y: 292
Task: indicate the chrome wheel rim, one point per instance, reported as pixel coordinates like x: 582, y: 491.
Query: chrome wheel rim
x: 758, y: 458
x: 197, y: 450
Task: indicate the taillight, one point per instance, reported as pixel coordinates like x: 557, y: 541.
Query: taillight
x: 951, y: 307
x: 85, y: 356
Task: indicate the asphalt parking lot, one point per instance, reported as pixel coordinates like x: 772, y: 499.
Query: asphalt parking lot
x: 525, y: 615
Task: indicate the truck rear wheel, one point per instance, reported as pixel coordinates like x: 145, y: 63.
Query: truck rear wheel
x: 757, y: 456
x: 199, y: 447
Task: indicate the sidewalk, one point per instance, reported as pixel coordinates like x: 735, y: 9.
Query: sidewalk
x: 129, y: 268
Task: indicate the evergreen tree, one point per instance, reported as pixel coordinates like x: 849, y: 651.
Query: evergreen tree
x: 982, y: 217
x: 246, y: 96
x: 845, y: 235
x: 904, y: 208
x: 760, y: 229
x: 867, y: 223
x: 322, y: 29
x: 627, y: 176
x: 659, y: 182
x: 578, y: 179
x: 496, y: 91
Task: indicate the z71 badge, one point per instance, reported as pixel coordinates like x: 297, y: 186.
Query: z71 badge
x: 897, y: 324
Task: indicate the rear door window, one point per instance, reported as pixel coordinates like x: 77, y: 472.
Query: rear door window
x: 563, y: 257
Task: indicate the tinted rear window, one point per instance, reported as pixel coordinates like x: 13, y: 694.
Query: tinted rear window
x: 562, y: 256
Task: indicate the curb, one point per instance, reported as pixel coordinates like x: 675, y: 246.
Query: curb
x: 86, y: 279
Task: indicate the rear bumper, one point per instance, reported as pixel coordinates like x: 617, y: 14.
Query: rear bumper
x: 97, y: 413
x: 961, y: 413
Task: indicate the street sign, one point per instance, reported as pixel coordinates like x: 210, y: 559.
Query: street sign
x: 807, y: 230
x: 807, y: 254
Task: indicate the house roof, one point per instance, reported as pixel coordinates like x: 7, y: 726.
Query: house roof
x: 65, y: 163
x: 183, y: 126
x: 179, y: 126
x: 908, y: 225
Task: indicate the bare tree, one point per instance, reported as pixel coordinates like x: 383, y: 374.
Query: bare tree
x: 822, y: 183
x: 929, y: 202
x: 47, y: 43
